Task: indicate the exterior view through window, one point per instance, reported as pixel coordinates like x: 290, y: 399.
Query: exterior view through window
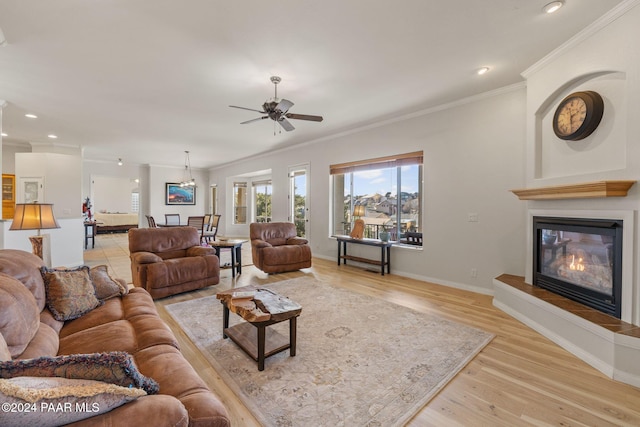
x: 262, y: 200
x: 386, y: 193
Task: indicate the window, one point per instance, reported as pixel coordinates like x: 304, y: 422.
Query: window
x: 240, y: 202
x: 135, y: 202
x: 262, y: 200
x: 386, y: 193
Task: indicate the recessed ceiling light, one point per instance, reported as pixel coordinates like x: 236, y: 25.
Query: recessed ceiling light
x: 31, y: 116
x: 482, y: 70
x: 4, y: 134
x: 553, y: 6
x: 52, y: 136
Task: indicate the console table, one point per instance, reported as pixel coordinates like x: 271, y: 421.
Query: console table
x: 385, y: 251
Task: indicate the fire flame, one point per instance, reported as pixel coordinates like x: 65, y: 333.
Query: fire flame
x: 579, y: 266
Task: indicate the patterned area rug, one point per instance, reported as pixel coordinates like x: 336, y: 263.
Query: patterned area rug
x: 360, y: 361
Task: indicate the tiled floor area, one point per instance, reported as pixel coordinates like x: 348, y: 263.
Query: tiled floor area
x: 113, y: 250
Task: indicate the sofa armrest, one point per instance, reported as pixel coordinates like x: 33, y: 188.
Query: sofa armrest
x: 145, y: 258
x: 297, y: 241
x: 257, y: 243
x: 200, y: 251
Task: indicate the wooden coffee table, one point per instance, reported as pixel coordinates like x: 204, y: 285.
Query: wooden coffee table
x: 264, y: 309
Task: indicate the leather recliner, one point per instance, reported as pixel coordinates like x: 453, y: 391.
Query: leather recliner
x: 170, y: 260
x: 276, y: 248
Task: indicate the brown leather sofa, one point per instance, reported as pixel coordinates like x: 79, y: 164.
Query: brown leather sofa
x: 170, y: 260
x: 128, y: 323
x: 276, y: 248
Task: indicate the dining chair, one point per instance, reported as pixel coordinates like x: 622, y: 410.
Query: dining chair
x: 212, y: 229
x: 198, y: 223
x: 172, y: 219
x: 151, y: 221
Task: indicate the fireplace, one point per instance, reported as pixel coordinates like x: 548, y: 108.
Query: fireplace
x: 580, y: 259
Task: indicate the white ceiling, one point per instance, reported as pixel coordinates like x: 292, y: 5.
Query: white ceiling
x: 145, y: 80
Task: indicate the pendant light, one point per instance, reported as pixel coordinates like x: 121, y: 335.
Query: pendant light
x: 189, y: 181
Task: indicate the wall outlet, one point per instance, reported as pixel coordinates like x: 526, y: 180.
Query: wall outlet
x: 474, y: 273
x: 473, y: 217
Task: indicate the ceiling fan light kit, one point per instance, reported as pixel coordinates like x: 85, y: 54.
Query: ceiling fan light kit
x: 278, y: 110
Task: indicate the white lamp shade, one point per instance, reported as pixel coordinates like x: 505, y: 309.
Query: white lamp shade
x: 33, y: 216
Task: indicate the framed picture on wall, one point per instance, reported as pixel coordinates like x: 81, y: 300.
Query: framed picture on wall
x: 177, y: 195
x: 32, y: 190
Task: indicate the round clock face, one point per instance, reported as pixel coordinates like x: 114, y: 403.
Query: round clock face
x: 578, y: 115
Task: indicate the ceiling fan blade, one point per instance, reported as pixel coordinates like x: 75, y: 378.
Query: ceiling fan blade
x: 284, y: 105
x: 254, y: 120
x: 286, y: 124
x: 304, y: 117
x: 245, y: 108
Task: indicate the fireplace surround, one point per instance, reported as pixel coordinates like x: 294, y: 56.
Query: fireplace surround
x: 580, y: 259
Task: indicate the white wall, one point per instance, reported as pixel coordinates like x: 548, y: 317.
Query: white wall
x: 9, y: 151
x: 603, y: 58
x: 112, y: 194
x: 473, y: 154
x: 158, y: 177
x: 151, y: 186
x: 61, y: 175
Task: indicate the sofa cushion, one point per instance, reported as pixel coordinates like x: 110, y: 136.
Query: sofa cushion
x: 118, y: 335
x: 106, y: 286
x: 70, y: 293
x: 19, y: 314
x: 44, y: 343
x: 55, y: 401
x: 176, y: 271
x: 4, y: 350
x: 288, y: 254
x: 167, y: 242
x: 21, y: 265
x: 114, y: 367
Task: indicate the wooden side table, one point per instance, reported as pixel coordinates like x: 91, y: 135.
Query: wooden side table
x: 236, y: 252
x: 264, y: 309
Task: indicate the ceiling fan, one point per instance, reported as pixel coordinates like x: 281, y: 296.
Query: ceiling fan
x: 278, y: 110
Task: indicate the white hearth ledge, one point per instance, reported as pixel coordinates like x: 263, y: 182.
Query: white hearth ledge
x: 614, y: 354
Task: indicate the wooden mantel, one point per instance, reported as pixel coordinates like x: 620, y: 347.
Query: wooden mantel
x: 587, y: 190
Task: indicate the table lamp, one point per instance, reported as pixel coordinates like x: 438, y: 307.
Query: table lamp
x: 358, y: 211
x: 34, y: 216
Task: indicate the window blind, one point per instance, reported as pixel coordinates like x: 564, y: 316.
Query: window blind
x: 414, y: 158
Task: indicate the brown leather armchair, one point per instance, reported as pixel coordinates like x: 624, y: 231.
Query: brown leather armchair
x: 276, y: 248
x: 169, y: 260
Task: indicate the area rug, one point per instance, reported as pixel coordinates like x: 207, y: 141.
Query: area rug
x: 360, y: 361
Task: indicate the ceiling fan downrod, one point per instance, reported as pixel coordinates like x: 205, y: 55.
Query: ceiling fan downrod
x: 275, y: 80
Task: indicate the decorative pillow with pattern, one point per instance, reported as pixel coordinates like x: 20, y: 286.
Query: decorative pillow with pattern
x: 116, y: 367
x: 70, y: 293
x: 106, y: 286
x: 53, y: 401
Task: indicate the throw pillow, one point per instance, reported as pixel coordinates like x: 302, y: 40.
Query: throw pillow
x: 70, y: 293
x: 116, y: 367
x: 106, y: 286
x: 53, y: 401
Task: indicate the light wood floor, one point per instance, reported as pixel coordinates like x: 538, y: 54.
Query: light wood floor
x: 520, y: 379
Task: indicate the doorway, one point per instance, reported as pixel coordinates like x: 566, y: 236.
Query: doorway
x: 298, y: 198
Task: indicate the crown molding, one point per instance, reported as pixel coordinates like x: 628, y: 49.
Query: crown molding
x: 620, y: 10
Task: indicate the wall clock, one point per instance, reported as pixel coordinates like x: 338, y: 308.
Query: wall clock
x: 578, y: 115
